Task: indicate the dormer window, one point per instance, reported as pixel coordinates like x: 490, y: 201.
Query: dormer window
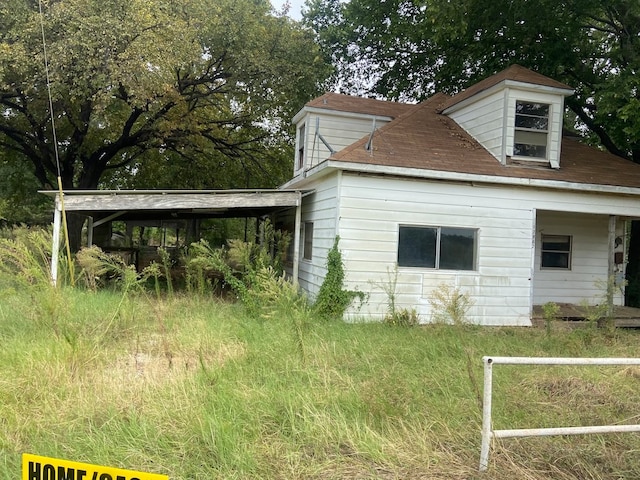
x: 531, y: 130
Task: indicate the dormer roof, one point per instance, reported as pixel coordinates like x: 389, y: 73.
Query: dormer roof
x: 515, y: 73
x: 337, y: 102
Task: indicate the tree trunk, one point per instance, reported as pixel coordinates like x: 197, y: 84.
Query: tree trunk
x: 632, y: 292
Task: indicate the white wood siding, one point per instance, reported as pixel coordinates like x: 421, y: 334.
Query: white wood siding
x: 320, y: 208
x: 508, y: 277
x: 484, y: 120
x: 372, y: 209
x: 585, y: 281
x: 339, y: 132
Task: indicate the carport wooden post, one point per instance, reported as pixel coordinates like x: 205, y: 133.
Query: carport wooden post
x: 55, y: 247
x: 296, y: 239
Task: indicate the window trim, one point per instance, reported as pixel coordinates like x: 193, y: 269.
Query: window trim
x: 307, y: 242
x: 438, y: 247
x: 568, y: 252
x: 536, y: 131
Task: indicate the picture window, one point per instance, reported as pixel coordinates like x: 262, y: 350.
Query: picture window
x: 444, y: 248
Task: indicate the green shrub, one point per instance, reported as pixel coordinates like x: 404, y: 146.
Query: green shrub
x: 333, y: 300
x: 243, y: 266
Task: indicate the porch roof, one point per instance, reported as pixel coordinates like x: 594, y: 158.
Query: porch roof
x: 177, y: 204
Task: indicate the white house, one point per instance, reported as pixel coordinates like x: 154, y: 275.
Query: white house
x: 480, y: 191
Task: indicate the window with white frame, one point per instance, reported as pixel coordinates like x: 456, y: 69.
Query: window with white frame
x: 301, y: 142
x: 307, y: 250
x: 556, y: 252
x: 531, y: 130
x: 444, y: 248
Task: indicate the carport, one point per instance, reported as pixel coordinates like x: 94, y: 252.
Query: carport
x: 102, y: 206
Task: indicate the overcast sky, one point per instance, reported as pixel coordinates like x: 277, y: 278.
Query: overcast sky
x: 296, y: 6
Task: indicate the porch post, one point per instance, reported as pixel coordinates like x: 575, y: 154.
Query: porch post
x: 296, y: 240
x: 532, y: 265
x: 89, y: 231
x: 611, y: 266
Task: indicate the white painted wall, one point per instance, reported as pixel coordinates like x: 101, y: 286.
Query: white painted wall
x: 491, y: 120
x: 371, y: 210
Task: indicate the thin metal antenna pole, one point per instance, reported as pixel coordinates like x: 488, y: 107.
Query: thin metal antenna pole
x: 55, y: 148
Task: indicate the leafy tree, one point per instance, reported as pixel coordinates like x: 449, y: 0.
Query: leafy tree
x: 17, y: 202
x: 200, y: 85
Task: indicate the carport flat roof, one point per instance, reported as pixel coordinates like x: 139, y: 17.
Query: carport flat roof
x: 173, y: 204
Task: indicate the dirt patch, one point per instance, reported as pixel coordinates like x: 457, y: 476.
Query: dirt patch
x: 154, y: 361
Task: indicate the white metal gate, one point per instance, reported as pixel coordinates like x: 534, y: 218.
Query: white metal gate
x: 488, y: 433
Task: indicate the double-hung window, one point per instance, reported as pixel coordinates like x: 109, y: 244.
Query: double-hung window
x: 444, y: 248
x: 556, y: 252
x: 531, y: 130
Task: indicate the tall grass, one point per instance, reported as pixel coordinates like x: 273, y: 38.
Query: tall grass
x: 198, y: 389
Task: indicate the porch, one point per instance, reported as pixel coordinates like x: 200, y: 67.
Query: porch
x: 572, y: 315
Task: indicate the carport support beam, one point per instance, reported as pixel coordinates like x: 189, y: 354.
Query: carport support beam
x: 55, y: 247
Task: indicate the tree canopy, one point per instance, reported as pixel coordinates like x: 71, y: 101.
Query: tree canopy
x: 407, y: 49
x: 152, y: 93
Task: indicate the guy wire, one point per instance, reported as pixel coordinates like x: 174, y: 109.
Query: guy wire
x: 55, y: 148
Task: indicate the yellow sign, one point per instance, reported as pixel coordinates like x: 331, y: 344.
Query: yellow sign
x: 35, y: 467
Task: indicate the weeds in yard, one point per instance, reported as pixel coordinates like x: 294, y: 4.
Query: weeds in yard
x: 397, y: 317
x: 197, y: 388
x: 550, y: 311
x: 449, y: 305
x: 25, y: 264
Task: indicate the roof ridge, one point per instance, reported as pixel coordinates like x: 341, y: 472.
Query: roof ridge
x: 514, y: 72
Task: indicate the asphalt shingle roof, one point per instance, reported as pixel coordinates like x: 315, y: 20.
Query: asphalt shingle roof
x: 368, y: 106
